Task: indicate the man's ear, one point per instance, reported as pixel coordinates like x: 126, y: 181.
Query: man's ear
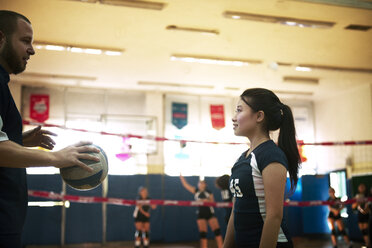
x: 260, y: 116
x: 2, y: 39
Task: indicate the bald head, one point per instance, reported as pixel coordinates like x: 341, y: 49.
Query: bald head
x: 9, y: 21
x: 16, y: 37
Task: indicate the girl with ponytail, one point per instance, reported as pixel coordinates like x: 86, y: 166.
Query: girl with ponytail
x: 259, y: 176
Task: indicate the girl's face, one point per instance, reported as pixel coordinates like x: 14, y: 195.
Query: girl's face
x: 245, y: 120
x: 144, y: 193
x: 202, y: 186
x: 361, y: 188
x: 331, y: 192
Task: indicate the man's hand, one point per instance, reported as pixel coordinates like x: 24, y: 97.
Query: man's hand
x: 38, y: 137
x: 70, y: 155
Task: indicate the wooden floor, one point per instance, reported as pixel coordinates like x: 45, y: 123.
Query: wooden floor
x: 309, y: 242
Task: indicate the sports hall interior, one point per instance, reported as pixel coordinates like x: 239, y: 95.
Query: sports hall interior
x: 113, y: 69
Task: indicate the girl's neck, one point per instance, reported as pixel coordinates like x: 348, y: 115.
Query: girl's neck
x: 257, y: 139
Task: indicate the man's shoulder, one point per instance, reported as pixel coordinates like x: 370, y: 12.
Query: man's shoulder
x: 4, y: 76
x: 4, y: 89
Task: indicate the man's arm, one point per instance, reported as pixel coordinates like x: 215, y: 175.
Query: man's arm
x: 38, y: 137
x: 16, y: 156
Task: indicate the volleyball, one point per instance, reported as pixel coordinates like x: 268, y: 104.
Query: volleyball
x: 80, y: 179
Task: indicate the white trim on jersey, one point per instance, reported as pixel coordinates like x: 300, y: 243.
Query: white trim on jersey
x: 3, y: 135
x: 260, y: 194
x: 135, y: 213
x: 225, y: 194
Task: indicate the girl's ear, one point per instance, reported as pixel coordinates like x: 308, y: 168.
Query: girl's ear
x: 260, y: 116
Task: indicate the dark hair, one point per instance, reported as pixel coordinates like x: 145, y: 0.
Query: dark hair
x: 140, y: 188
x: 223, y: 182
x: 277, y: 115
x: 8, y: 21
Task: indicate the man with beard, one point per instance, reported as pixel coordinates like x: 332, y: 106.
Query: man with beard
x: 16, y: 36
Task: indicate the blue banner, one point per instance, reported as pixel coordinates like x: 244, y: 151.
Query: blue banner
x: 179, y: 114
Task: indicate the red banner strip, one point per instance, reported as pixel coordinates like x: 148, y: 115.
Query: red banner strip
x: 301, y: 143
x: 125, y: 202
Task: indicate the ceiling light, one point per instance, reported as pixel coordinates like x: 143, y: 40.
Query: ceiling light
x: 135, y: 4
x: 285, y: 92
x: 55, y: 76
x: 290, y: 23
x: 93, y: 51
x: 113, y: 53
x: 77, y: 49
x: 86, y: 1
x: 279, y: 20
x: 213, y: 60
x: 301, y: 68
x: 232, y: 88
x: 54, y: 48
x: 305, y: 80
x: 164, y: 84
x: 311, y: 67
x: 129, y: 3
x: 190, y: 29
x: 337, y: 68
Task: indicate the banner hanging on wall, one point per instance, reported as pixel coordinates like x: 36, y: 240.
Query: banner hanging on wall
x: 217, y: 116
x: 179, y: 114
x: 39, y: 107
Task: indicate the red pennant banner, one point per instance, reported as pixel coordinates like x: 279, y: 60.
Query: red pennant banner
x: 217, y: 116
x: 39, y: 107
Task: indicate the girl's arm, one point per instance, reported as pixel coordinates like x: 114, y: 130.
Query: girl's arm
x: 187, y: 186
x: 355, y: 204
x: 147, y: 214
x: 274, y: 179
x: 211, y: 198
x: 230, y: 232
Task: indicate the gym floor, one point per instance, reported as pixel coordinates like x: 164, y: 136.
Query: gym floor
x: 309, y: 242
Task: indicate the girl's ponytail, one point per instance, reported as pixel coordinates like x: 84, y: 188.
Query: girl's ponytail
x: 277, y: 115
x: 287, y: 142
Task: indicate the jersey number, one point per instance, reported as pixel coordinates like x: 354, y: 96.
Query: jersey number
x: 235, y: 189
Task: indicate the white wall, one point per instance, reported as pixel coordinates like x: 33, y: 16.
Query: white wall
x: 343, y: 117
x: 155, y: 107
x: 118, y: 112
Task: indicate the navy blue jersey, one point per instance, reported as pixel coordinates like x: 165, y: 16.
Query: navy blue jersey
x: 145, y: 207
x: 13, y: 187
x: 246, y: 184
x: 199, y: 195
x: 226, y: 195
x: 336, y: 203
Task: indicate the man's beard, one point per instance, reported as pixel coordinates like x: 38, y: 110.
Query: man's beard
x: 10, y: 57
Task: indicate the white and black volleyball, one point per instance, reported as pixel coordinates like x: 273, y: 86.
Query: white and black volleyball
x: 80, y: 179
